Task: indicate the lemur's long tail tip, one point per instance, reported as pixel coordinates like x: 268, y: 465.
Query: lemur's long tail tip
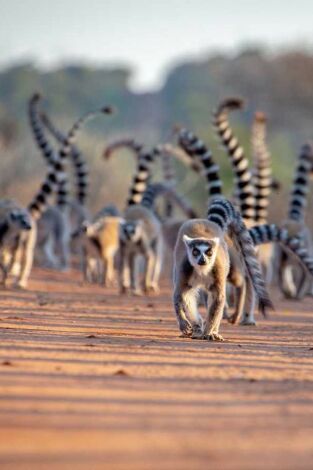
x: 36, y: 96
x: 108, y: 110
x: 232, y: 103
x: 259, y: 116
x: 264, y: 305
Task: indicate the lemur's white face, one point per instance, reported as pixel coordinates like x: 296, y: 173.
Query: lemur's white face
x: 131, y: 231
x: 201, y: 252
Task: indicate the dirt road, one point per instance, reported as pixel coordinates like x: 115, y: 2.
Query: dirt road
x: 92, y: 380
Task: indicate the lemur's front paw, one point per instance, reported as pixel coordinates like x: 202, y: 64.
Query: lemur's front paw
x: 197, y: 332
x: 215, y: 337
x: 21, y: 284
x: 185, y: 327
x: 124, y: 290
x: 137, y: 292
x: 152, y: 289
x: 246, y: 321
x: 232, y: 319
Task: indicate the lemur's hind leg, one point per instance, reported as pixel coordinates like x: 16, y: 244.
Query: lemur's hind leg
x: 286, y: 277
x: 27, y: 257
x: 241, y: 290
x: 109, y: 270
x: 124, y: 273
x: 134, y: 274
x: 158, y: 265
x: 150, y: 260
x: 249, y: 307
x: 304, y: 284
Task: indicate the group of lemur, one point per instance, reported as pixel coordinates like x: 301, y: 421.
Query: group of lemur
x: 221, y: 260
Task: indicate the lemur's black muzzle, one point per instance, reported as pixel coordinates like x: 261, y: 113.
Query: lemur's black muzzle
x: 201, y: 261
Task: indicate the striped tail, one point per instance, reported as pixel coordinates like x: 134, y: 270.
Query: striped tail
x: 41, y: 200
x: 193, y: 146
x: 222, y: 212
x: 48, y: 152
x: 128, y: 143
x: 70, y: 137
x: 240, y: 164
x: 142, y: 176
x: 271, y: 233
x: 79, y: 162
x: 262, y: 174
x: 298, y: 197
x: 155, y: 190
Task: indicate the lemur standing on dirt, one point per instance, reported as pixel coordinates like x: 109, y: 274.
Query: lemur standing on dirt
x: 18, y: 230
x: 201, y: 261
x: 141, y: 234
x: 58, y: 219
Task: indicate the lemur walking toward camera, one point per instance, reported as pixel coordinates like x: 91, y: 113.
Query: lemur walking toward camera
x: 141, y: 234
x: 18, y: 231
x: 201, y: 262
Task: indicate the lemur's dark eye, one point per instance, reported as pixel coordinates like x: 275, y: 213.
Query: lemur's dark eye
x: 195, y: 252
x: 209, y: 252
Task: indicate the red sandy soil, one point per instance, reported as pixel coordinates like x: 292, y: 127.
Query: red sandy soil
x: 92, y: 380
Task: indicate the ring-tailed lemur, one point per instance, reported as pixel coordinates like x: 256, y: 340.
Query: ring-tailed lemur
x: 18, y: 230
x: 201, y: 261
x: 141, y: 233
x: 52, y: 240
x: 100, y: 243
x: 62, y: 229
x: 287, y: 266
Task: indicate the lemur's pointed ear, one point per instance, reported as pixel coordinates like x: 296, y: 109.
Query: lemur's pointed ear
x: 187, y: 240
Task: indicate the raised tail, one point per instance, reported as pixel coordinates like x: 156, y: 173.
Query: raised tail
x: 40, y: 201
x: 222, y: 212
x: 79, y: 162
x: 271, y: 233
x: 120, y: 143
x: 142, y: 176
x: 262, y: 174
x: 193, y: 146
x: 51, y: 157
x: 298, y: 197
x: 240, y: 164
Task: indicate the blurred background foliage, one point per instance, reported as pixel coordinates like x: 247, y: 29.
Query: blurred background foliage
x: 281, y: 85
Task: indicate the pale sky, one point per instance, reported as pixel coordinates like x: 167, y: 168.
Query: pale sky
x: 150, y: 36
